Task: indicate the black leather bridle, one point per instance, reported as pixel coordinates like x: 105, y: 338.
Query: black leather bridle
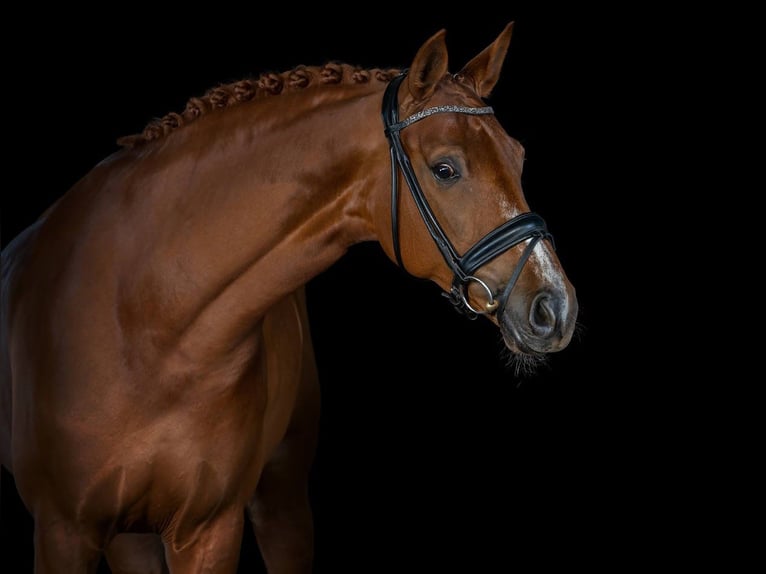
x: 523, y: 227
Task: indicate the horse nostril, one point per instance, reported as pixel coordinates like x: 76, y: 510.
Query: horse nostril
x: 542, y: 314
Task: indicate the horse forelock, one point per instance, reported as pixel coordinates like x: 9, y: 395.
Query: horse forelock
x: 266, y: 85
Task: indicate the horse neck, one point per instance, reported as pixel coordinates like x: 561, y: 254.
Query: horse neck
x: 262, y: 198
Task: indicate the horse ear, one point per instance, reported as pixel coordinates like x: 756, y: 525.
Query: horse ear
x: 428, y: 67
x: 484, y: 69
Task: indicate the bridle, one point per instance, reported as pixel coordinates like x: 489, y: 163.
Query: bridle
x: 523, y: 227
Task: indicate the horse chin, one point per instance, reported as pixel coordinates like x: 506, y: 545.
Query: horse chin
x: 520, y: 358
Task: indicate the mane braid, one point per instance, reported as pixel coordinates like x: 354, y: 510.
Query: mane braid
x: 266, y: 85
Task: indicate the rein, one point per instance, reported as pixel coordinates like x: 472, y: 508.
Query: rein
x: 526, y: 226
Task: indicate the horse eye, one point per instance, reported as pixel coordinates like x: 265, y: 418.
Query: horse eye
x: 444, y: 171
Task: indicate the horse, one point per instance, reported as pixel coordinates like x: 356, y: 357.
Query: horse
x: 159, y: 384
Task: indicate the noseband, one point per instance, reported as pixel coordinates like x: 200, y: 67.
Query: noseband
x: 523, y: 227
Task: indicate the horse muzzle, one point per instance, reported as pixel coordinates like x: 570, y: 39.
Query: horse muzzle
x: 539, y: 322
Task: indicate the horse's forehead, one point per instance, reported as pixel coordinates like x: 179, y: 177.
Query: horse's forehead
x: 452, y: 91
x: 489, y: 134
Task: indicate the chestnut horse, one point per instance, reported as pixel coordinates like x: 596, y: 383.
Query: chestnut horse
x: 158, y: 379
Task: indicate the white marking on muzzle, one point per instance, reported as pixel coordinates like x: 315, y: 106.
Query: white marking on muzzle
x: 542, y: 260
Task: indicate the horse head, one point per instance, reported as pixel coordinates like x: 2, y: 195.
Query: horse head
x: 466, y: 224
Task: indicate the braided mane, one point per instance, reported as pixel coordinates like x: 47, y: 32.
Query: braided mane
x: 266, y: 85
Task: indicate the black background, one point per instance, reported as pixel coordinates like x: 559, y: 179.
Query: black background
x: 433, y: 453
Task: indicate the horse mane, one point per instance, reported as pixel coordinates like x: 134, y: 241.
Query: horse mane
x: 266, y: 85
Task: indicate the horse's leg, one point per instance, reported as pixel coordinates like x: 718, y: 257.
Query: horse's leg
x: 214, y: 547
x: 132, y: 553
x: 281, y: 515
x: 279, y: 510
x: 62, y: 547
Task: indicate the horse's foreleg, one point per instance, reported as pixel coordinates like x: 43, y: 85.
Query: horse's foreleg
x: 213, y: 548
x: 279, y: 510
x: 62, y: 547
x: 282, y: 518
x: 132, y: 553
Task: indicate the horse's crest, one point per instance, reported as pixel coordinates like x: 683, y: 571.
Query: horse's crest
x: 267, y: 84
